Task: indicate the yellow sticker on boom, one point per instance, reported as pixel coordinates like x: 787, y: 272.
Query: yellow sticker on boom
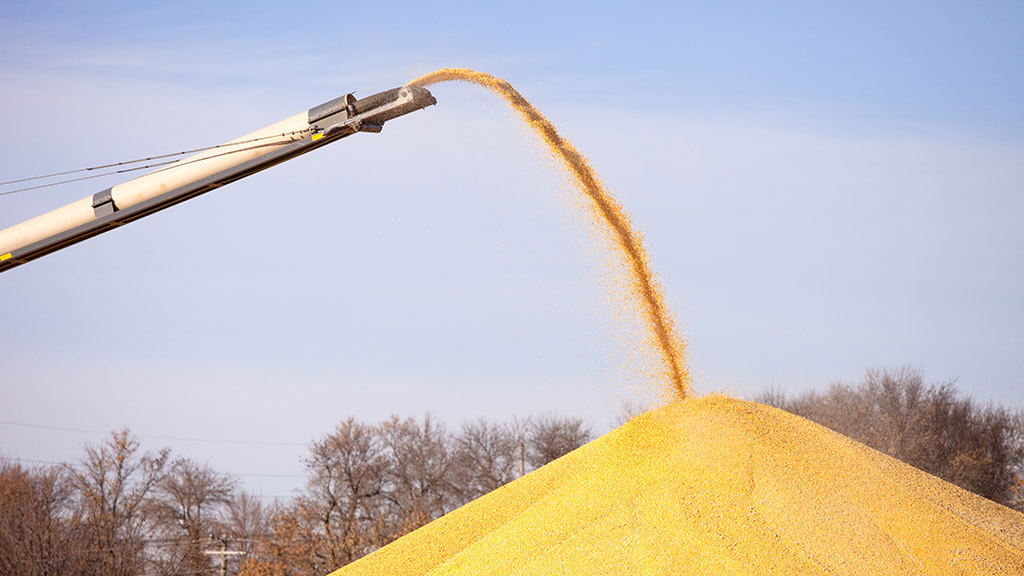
x: 5, y: 256
x: 318, y: 136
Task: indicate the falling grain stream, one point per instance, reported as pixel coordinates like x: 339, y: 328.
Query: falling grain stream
x: 603, y: 207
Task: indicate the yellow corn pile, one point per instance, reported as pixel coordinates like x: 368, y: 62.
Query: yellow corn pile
x: 715, y: 485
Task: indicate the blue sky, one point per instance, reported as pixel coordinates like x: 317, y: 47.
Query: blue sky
x: 822, y: 189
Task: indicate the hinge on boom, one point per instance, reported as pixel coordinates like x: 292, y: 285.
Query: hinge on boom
x: 103, y: 203
x: 350, y: 105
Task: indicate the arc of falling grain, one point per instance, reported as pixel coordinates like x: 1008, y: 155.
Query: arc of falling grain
x: 658, y: 321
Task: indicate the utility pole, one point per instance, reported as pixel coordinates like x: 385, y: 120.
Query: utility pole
x: 223, y: 553
x: 522, y: 458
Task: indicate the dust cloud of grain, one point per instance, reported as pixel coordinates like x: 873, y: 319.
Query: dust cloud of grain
x: 607, y: 215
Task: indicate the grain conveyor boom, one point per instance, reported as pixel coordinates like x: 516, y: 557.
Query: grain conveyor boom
x: 205, y: 171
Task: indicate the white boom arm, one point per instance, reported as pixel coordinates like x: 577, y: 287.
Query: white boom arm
x: 205, y: 171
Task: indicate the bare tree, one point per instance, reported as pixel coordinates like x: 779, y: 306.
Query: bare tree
x: 370, y: 484
x: 294, y: 548
x: 113, y: 486
x: 186, y: 506
x: 341, y: 515
x: 1017, y: 489
x: 249, y: 520
x: 550, y: 437
x: 36, y: 537
x: 628, y: 410
x: 345, y: 493
x: 487, y: 456
x: 931, y: 427
x: 419, y: 486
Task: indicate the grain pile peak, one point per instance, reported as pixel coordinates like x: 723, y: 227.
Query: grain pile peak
x: 714, y: 485
x: 608, y: 216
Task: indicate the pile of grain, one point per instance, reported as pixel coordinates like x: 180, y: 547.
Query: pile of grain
x: 716, y: 486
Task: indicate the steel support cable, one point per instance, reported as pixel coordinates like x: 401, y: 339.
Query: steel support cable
x: 147, y: 159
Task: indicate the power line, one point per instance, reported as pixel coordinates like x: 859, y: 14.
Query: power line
x: 50, y: 462
x: 71, y: 464
x: 156, y: 437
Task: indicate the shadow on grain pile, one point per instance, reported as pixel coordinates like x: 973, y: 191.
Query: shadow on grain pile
x: 714, y: 485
